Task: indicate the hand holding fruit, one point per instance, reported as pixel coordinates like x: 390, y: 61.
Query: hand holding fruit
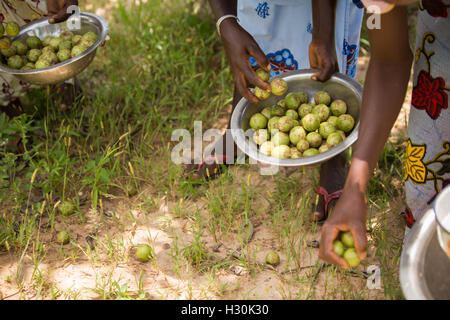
x: 345, y: 227
x: 239, y: 47
x: 57, y: 9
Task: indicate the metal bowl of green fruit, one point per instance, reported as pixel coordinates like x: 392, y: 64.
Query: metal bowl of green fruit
x: 301, y: 122
x: 54, y: 53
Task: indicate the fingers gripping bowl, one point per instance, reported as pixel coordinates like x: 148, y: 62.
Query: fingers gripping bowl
x: 67, y: 69
x: 338, y: 86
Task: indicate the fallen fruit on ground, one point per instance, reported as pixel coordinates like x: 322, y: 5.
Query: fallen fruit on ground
x: 144, y: 253
x: 63, y: 237
x: 273, y: 258
x: 66, y: 208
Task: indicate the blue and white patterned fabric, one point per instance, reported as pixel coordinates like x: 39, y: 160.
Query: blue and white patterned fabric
x: 283, y: 30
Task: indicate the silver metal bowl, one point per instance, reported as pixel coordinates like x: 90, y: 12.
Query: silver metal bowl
x: 339, y: 86
x: 64, y: 70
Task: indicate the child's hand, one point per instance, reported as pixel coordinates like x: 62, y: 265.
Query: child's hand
x: 239, y: 47
x: 322, y: 55
x: 348, y: 215
x: 57, y: 9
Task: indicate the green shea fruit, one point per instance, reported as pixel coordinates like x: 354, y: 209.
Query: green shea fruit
x: 310, y: 122
x: 338, y: 248
x: 54, y: 43
x: 26, y: 68
x: 296, y: 134
x: 266, y: 148
x: 280, y: 138
x: 260, y: 136
x: 322, y: 111
x: 302, y: 145
x: 76, y: 39
x: 63, y: 55
x: 295, y: 154
x: 33, y: 55
x: 47, y: 49
x: 322, y: 97
x: 66, y: 208
x: 292, y: 114
x: 351, y: 257
x: 323, y: 148
x: 285, y: 124
x: 5, y: 43
x: 258, y: 121
x: 303, y: 97
x: 338, y: 107
x: 63, y: 237
x: 310, y: 152
x: 281, y: 152
x: 326, y: 128
x: 261, y: 94
x: 12, y: 29
x: 296, y: 123
x: 347, y: 239
x: 304, y: 109
x: 66, y: 35
x: 15, y: 62
x: 292, y: 100
x: 2, y: 30
x: 262, y: 74
x: 21, y: 48
x: 266, y: 112
x: 342, y: 133
x: 50, y: 57
x: 279, y: 86
x: 345, y: 123
x: 273, y: 258
x: 91, y: 36
x: 87, y: 43
x: 272, y: 124
x: 42, y: 63
x: 334, y: 139
x: 144, y: 253
x: 333, y: 120
x: 33, y: 42
x: 65, y: 44
x: 314, y: 139
x: 46, y: 41
x: 282, y: 103
x: 11, y: 51
x: 277, y: 111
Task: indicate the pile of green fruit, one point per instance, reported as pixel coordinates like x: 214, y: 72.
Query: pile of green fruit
x: 36, y: 53
x: 294, y: 128
x: 345, y: 247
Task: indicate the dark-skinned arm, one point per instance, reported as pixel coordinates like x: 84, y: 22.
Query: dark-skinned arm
x: 322, y: 50
x: 239, y: 47
x: 384, y: 93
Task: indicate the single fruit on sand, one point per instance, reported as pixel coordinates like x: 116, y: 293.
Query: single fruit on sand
x: 314, y: 139
x: 9, y: 52
x: 272, y: 124
x: 12, y: 29
x: 292, y: 114
x: 323, y: 148
x: 63, y: 55
x: 262, y: 74
x: 54, y: 43
x: 76, y: 39
x: 285, y: 124
x: 310, y: 152
x: 304, y: 109
x: 33, y: 55
x: 21, y: 47
x: 281, y: 152
x: 334, y: 139
x: 322, y: 97
x: 258, y: 121
x: 266, y: 112
x: 302, y: 145
x: 266, y: 148
x: 277, y: 111
x: 65, y: 44
x: 295, y: 154
x: 303, y: 97
x: 15, y: 62
x: 279, y: 86
x: 66, y: 208
x: 345, y: 123
x: 280, y: 138
x: 322, y: 111
x: 261, y: 94
x: 338, y: 248
x: 292, y: 100
x: 42, y: 63
x: 144, y: 253
x: 333, y: 120
x: 33, y: 42
x: 310, y: 122
x: 260, y: 136
x: 351, y: 257
x: 338, y: 107
x: 296, y: 134
x: 347, y: 239
x: 46, y: 41
x: 326, y: 129
x: 63, y: 237
x: 273, y: 258
x: 5, y: 43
